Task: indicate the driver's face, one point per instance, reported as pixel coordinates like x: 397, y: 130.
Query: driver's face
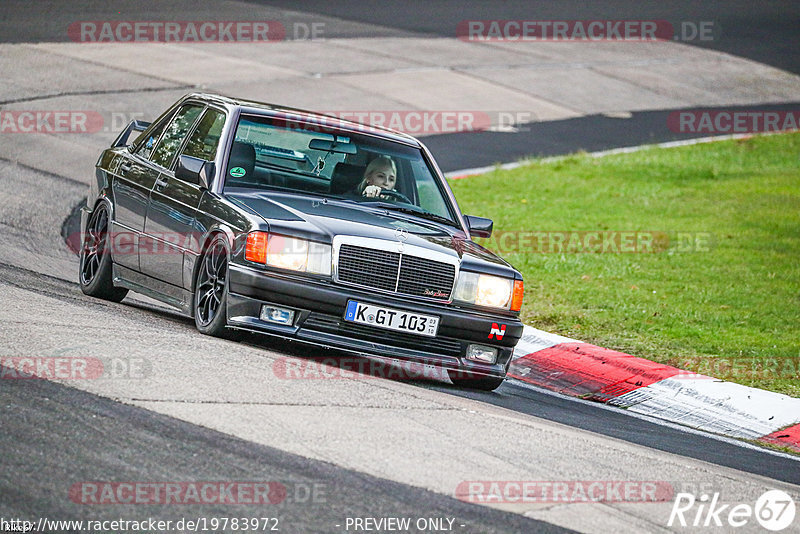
x: 382, y: 177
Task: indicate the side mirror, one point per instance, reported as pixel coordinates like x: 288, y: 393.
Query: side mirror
x: 195, y: 170
x: 479, y: 226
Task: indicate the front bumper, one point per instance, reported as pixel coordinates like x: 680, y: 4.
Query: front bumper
x: 319, y: 318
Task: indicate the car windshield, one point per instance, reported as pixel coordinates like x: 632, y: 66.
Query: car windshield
x: 271, y: 153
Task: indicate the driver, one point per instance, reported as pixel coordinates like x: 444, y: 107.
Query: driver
x: 381, y: 174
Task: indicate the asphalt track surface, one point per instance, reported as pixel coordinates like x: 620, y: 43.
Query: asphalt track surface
x: 54, y: 435
x: 591, y: 133
x: 766, y: 32
x: 762, y: 31
x: 605, y: 420
x: 61, y: 435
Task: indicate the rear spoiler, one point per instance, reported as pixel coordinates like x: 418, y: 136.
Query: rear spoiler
x: 124, y: 137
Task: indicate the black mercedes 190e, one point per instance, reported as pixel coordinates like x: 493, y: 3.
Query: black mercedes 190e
x: 270, y: 219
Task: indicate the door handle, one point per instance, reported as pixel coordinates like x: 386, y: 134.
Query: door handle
x: 160, y: 184
x: 125, y: 167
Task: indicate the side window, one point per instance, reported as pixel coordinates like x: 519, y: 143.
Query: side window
x: 174, y: 134
x: 145, y: 149
x: 430, y: 197
x: 205, y: 138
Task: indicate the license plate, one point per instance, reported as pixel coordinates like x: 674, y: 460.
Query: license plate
x: 391, y: 319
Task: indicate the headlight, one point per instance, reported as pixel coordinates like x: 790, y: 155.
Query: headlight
x: 287, y: 253
x: 484, y: 290
x: 290, y: 253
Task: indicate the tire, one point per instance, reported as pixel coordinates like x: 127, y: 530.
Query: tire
x: 95, y: 271
x: 211, y: 290
x: 467, y: 380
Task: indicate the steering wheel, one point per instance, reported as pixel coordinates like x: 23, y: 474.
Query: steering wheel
x: 394, y: 195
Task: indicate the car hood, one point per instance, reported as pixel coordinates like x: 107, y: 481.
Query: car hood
x: 321, y: 219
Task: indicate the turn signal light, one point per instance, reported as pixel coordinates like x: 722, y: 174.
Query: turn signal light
x: 516, y: 297
x: 256, y: 247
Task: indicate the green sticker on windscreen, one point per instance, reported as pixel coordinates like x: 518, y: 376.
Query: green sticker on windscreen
x: 237, y: 172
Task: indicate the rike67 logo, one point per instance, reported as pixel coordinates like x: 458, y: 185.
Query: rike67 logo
x: 774, y: 510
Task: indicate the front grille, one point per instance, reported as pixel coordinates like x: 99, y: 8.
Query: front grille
x: 378, y: 269
x: 332, y: 325
x: 368, y: 267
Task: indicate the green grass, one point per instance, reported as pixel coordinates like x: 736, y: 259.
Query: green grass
x: 723, y: 309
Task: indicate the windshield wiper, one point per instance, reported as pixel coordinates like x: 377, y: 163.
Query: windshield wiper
x: 412, y: 211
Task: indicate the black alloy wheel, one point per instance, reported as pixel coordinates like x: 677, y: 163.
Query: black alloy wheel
x: 95, y: 275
